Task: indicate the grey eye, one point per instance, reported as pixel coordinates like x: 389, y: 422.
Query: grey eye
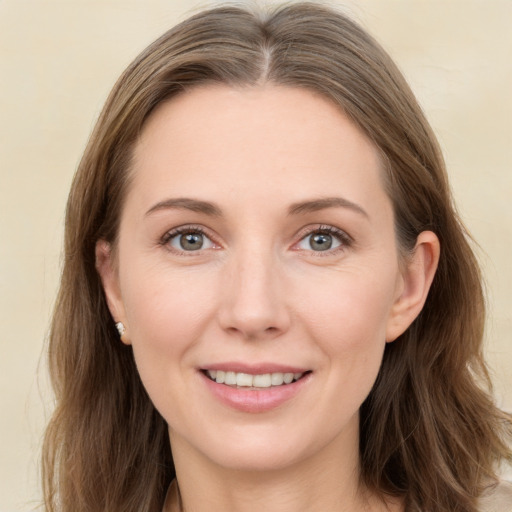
x: 192, y: 241
x: 319, y: 242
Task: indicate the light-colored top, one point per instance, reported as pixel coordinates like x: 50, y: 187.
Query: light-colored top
x: 497, y: 499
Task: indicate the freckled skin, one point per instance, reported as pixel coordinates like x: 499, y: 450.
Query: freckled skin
x: 258, y: 291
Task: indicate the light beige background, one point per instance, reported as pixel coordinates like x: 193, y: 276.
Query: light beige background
x: 58, y: 60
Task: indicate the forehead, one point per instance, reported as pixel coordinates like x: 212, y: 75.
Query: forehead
x: 250, y: 141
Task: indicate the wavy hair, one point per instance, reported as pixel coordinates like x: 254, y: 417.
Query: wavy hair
x: 429, y: 429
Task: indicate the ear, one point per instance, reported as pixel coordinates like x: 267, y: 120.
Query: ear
x: 106, y: 268
x: 417, y: 277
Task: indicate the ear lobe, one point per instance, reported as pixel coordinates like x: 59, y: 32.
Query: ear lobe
x: 417, y: 279
x: 105, y: 266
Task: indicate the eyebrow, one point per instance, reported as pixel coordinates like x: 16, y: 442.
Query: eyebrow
x: 299, y: 208
x: 324, y: 203
x: 185, y: 203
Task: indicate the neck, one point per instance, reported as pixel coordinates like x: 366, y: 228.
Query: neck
x: 326, y: 482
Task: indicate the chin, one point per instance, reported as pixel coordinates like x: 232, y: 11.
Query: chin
x: 258, y: 459
x: 267, y: 448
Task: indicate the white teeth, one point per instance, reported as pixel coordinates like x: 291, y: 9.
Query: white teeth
x: 264, y: 380
x: 230, y: 378
x: 277, y: 379
x: 288, y: 377
x: 243, y: 379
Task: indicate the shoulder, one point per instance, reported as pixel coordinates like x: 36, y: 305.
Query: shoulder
x: 497, y: 499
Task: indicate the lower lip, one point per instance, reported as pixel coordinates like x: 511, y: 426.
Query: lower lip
x: 255, y: 400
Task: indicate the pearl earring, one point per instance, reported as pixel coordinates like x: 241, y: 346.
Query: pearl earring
x: 121, y: 329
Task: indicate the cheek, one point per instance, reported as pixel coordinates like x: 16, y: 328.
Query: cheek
x: 349, y: 309
x: 166, y: 313
x: 162, y: 303
x: 347, y: 317
x: 356, y: 351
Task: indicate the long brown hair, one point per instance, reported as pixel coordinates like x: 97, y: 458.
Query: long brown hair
x: 429, y: 429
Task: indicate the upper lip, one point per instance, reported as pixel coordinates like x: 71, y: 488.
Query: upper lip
x: 254, y: 368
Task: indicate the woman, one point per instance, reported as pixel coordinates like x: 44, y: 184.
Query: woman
x: 267, y: 298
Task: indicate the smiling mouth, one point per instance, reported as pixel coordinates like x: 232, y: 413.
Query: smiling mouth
x: 249, y: 381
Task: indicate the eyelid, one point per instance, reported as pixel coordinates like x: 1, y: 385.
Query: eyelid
x: 188, y: 228
x: 345, y: 239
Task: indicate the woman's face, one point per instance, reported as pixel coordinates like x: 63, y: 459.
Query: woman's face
x: 256, y: 246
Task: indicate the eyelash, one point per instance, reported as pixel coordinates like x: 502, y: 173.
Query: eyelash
x: 184, y: 230
x: 345, y: 240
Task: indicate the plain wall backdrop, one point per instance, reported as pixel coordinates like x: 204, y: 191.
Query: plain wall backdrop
x: 58, y: 61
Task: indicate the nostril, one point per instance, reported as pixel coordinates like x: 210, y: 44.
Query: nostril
x: 253, y: 333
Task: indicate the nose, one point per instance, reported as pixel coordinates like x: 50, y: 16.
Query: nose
x: 253, y: 304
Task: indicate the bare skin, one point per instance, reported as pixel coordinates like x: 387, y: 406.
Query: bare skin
x: 257, y: 237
